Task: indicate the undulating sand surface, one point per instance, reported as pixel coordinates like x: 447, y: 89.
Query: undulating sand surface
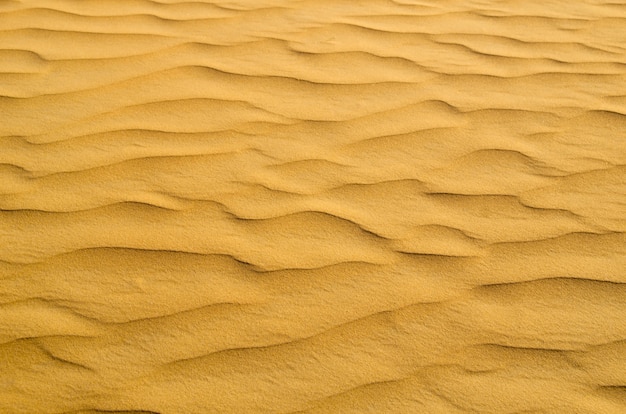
x: 312, y: 206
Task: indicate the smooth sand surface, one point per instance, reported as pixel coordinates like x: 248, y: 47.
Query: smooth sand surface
x: 316, y: 206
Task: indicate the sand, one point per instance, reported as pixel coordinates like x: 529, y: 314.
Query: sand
x: 315, y: 206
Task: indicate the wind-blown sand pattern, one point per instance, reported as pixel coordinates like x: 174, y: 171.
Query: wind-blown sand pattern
x: 322, y: 206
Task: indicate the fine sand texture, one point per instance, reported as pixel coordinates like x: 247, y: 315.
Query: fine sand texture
x: 312, y: 206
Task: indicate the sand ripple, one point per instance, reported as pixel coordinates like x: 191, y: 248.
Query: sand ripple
x: 381, y: 206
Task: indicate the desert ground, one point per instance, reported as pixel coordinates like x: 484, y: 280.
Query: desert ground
x: 312, y: 206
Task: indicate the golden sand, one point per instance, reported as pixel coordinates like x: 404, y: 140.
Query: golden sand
x: 315, y: 206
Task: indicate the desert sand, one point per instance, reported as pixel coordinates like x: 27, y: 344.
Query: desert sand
x: 312, y: 206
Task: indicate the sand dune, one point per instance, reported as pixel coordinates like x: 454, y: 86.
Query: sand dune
x: 273, y: 206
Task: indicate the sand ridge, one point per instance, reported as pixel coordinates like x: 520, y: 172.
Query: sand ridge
x: 374, y: 206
